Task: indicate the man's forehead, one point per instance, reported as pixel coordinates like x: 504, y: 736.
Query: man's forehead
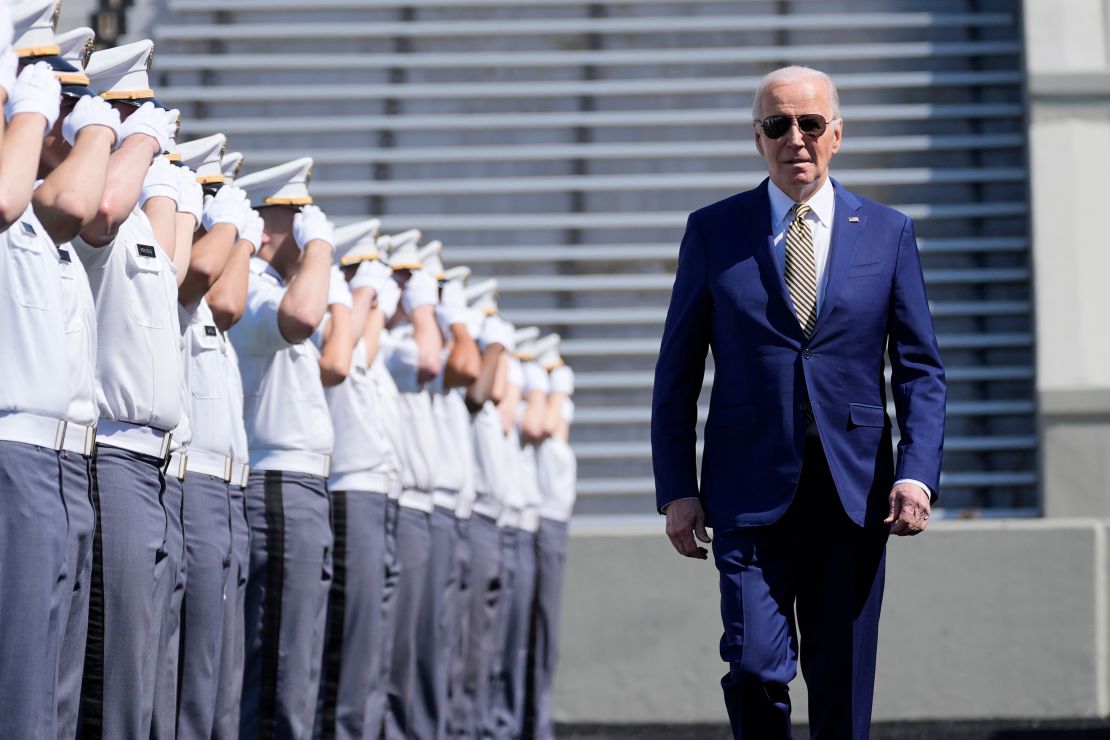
x: 806, y: 93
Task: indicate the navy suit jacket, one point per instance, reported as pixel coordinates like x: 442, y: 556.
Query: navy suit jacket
x: 730, y: 296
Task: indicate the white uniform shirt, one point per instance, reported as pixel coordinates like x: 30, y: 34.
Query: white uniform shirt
x: 448, y: 470
x: 533, y: 499
x: 417, y: 446
x: 489, y: 461
x: 285, y: 412
x: 33, y: 363
x: 459, y: 421
x: 80, y: 338
x: 363, y: 454
x: 556, y: 473
x: 206, y: 362
x: 239, y: 449
x: 138, y: 337
x: 513, y: 494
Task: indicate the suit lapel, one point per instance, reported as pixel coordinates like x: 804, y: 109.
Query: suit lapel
x: 760, y: 235
x: 842, y: 246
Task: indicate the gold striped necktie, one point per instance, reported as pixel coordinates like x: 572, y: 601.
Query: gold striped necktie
x: 801, y: 271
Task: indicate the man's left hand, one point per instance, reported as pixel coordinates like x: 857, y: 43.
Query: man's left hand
x: 909, y: 510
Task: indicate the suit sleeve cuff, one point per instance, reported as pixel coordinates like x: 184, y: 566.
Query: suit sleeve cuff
x: 928, y: 491
x: 663, y: 508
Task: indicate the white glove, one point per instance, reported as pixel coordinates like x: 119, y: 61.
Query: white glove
x: 228, y: 206
x: 338, y: 292
x: 252, y: 230
x: 161, y: 180
x: 420, y: 290
x: 311, y: 224
x: 535, y: 378
x: 6, y: 30
x: 516, y: 372
x: 388, y: 298
x: 158, y: 124
x: 371, y: 274
x: 9, y: 65
x: 36, y: 90
x: 190, y: 195
x: 562, y: 380
x: 452, y: 307
x: 475, y: 319
x: 90, y: 111
x: 496, y: 331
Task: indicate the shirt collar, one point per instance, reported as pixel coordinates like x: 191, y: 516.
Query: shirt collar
x: 822, y: 203
x: 259, y: 266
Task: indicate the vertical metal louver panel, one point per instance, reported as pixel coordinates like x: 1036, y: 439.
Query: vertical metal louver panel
x: 559, y: 145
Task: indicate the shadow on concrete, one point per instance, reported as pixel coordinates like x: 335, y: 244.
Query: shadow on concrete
x: 977, y: 730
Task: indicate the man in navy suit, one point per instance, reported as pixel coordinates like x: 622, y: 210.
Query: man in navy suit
x: 799, y: 287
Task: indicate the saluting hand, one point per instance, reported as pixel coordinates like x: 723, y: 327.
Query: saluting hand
x: 909, y: 510
x: 686, y: 520
x: 36, y: 90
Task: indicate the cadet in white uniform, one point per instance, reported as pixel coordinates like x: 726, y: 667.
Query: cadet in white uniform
x: 364, y: 467
x: 134, y: 287
x: 290, y: 437
x: 471, y: 711
x: 413, y: 356
x: 34, y: 399
x: 556, y: 470
x: 206, y: 508
x: 74, y: 157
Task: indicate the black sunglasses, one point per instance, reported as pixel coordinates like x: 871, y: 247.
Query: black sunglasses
x: 810, y: 124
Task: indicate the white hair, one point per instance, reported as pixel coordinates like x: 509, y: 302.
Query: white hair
x: 796, y: 74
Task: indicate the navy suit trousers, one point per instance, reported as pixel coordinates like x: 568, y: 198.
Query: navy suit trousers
x: 818, y: 564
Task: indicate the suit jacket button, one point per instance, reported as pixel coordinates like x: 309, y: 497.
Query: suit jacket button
x: 807, y: 354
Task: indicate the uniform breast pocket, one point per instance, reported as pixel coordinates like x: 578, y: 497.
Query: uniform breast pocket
x: 148, y: 295
x: 206, y: 369
x: 34, y: 280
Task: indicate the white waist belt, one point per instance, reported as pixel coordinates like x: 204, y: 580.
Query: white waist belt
x: 143, y: 440
x: 363, y: 480
x: 32, y: 429
x: 412, y: 498
x: 79, y: 438
x: 395, y: 489
x: 510, y: 517
x: 487, y: 506
x: 292, y: 461
x: 445, y: 498
x: 177, y: 465
x: 240, y: 471
x: 530, y: 520
x: 210, y: 463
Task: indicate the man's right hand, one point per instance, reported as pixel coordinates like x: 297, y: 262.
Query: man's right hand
x: 686, y: 520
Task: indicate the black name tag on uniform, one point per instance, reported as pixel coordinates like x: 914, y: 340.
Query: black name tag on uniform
x: 63, y: 255
x: 145, y: 250
x: 210, y: 331
x: 28, y: 229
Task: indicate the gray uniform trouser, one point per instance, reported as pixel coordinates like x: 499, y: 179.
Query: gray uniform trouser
x: 230, y: 681
x: 77, y: 489
x: 434, y: 628
x: 413, y: 548
x: 518, y: 558
x: 33, y: 598
x: 169, y: 640
x: 206, y: 520
x: 353, y: 650
x: 551, y: 552
x: 131, y: 584
x: 378, y: 705
x: 472, y: 711
x: 498, y: 719
x: 286, y: 603
x: 460, y: 628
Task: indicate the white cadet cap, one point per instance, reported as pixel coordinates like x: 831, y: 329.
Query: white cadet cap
x: 357, y: 242
x: 230, y: 164
x: 482, y: 296
x: 76, y: 46
x: 405, y: 251
x: 523, y: 338
x: 33, y: 24
x: 203, y: 157
x: 284, y: 185
x: 429, y: 256
x: 548, y: 352
x: 460, y: 274
x: 121, y: 73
